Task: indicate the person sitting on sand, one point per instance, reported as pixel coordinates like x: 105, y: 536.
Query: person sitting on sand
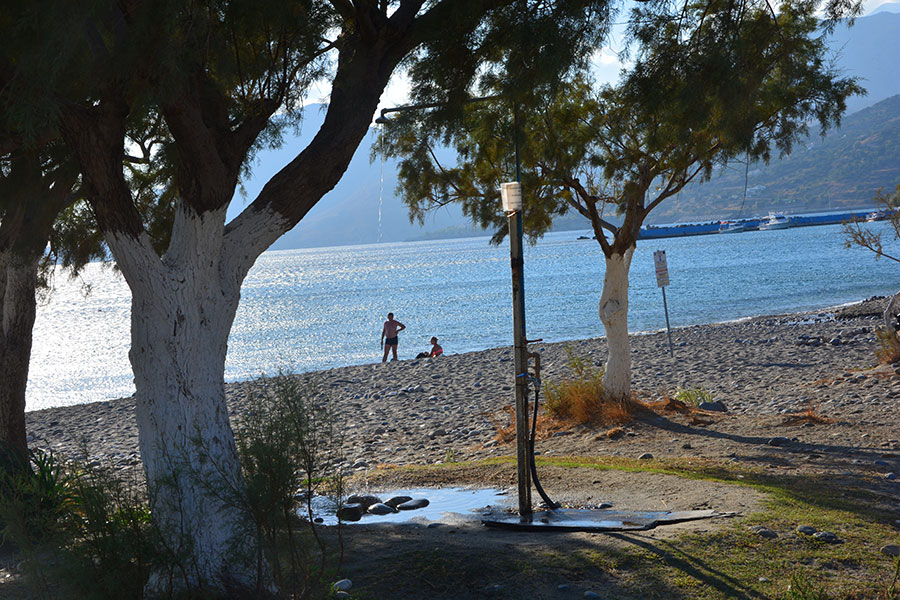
x: 436, y: 349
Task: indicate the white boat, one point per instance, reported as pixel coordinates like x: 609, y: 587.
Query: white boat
x: 774, y: 221
x: 732, y: 227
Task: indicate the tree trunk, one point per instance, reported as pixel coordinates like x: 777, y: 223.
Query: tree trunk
x: 182, y: 311
x: 614, y: 315
x: 890, y: 313
x: 17, y: 285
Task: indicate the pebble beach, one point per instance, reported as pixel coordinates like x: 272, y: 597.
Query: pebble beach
x: 429, y: 410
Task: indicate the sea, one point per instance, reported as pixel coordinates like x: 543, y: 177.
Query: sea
x: 313, y: 309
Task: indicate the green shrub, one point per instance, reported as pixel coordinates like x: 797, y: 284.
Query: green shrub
x: 693, y: 396
x: 290, y: 449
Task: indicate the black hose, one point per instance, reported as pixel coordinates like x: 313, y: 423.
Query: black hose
x: 534, y: 476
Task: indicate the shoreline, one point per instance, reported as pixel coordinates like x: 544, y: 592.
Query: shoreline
x: 424, y: 410
x: 733, y: 321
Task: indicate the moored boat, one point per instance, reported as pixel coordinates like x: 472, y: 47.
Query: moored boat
x: 732, y: 227
x: 774, y: 221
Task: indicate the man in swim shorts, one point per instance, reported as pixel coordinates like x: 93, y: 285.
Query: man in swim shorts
x: 389, y: 336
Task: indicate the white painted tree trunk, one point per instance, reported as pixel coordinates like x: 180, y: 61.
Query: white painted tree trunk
x: 614, y: 315
x: 182, y: 310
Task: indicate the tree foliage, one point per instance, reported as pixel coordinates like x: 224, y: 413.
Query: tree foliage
x: 710, y: 82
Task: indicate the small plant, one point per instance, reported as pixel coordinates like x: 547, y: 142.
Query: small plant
x: 582, y: 398
x: 800, y: 588
x: 450, y: 456
x: 810, y: 415
x: 693, y: 397
x: 290, y: 450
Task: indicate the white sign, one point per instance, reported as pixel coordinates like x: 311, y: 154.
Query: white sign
x: 662, y: 270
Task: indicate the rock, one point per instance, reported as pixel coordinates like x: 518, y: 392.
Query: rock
x: 350, y: 512
x: 806, y: 529
x: 890, y: 476
x: 380, y: 508
x: 398, y: 500
x: 645, y: 456
x: 590, y: 594
x: 563, y: 587
x: 363, y: 500
x: 881, y: 463
x: 715, y: 406
x: 778, y: 441
x: 342, y: 595
x: 891, y: 550
x: 686, y: 446
x: 413, y: 504
x: 344, y: 585
x: 827, y: 537
x: 763, y: 532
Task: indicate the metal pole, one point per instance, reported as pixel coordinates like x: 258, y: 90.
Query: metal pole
x: 668, y: 329
x: 523, y: 457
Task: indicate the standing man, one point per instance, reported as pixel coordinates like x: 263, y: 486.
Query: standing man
x: 389, y: 336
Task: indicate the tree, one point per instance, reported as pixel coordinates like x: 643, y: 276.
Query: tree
x: 33, y: 191
x: 711, y: 81
x: 225, y: 75
x: 857, y: 235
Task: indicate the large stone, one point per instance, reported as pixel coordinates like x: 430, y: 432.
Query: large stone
x: 350, y: 512
x: 715, y: 406
x: 827, y: 537
x: 363, y: 500
x: 398, y: 500
x: 380, y: 508
x: 891, y: 550
x: 413, y: 504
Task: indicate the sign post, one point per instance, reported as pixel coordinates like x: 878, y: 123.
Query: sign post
x: 662, y: 280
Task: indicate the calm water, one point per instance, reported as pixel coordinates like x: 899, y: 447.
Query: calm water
x: 305, y: 310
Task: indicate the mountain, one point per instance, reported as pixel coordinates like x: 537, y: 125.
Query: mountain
x: 843, y: 170
x: 869, y: 49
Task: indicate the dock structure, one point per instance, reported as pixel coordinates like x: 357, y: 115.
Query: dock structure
x: 652, y: 232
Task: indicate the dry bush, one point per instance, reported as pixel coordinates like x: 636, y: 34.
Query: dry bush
x: 888, y: 350
x: 582, y: 400
x: 810, y: 415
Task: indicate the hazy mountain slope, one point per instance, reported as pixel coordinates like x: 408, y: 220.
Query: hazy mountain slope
x: 842, y: 171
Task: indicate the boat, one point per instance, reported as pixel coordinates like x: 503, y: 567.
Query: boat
x: 732, y: 227
x: 774, y: 221
x: 878, y: 215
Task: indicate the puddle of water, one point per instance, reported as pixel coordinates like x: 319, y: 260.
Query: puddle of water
x: 444, y: 504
